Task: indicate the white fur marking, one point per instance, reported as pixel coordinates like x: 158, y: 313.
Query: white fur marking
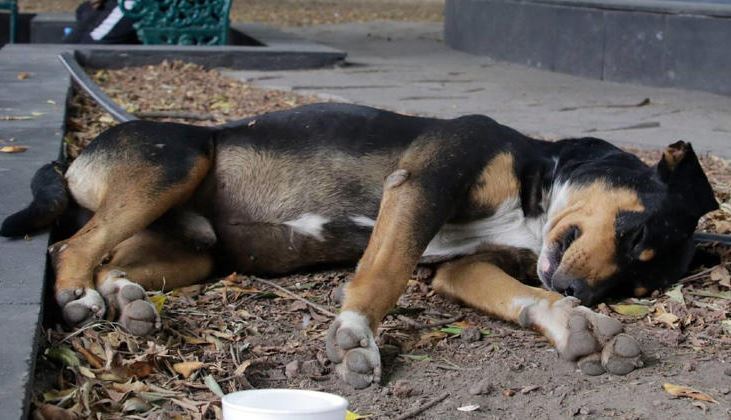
x: 90, y: 299
x: 87, y: 181
x: 113, y: 283
x: 508, y: 226
x: 364, y: 221
x: 354, y: 320
x: 557, y: 200
x: 309, y: 224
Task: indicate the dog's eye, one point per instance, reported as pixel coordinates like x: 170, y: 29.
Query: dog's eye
x: 569, y: 237
x: 636, y: 239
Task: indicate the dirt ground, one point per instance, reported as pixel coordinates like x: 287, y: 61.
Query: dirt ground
x: 296, y: 12
x: 238, y: 332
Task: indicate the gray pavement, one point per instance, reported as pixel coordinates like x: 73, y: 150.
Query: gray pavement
x: 41, y: 97
x: 406, y: 67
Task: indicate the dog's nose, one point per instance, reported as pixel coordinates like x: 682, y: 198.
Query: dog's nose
x: 569, y: 285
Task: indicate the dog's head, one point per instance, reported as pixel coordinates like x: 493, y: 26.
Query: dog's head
x: 625, y: 228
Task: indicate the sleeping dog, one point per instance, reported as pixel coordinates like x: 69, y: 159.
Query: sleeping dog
x: 491, y: 208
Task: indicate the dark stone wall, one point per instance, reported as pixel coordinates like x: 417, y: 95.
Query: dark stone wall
x: 676, y: 47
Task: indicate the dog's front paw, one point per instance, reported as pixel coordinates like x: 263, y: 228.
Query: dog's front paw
x: 128, y: 304
x: 595, y: 341
x: 80, y: 305
x: 351, y: 346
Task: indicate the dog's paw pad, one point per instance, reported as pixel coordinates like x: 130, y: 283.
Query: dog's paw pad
x: 80, y: 306
x: 591, y: 365
x: 139, y: 317
x: 595, y: 341
x: 580, y: 341
x: 128, y: 304
x: 351, y: 346
x: 621, y: 355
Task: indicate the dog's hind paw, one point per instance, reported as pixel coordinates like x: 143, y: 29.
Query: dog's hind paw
x: 80, y: 305
x: 595, y: 341
x: 351, y: 346
x: 128, y: 304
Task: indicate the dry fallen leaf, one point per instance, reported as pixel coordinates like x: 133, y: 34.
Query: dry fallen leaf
x: 684, y: 391
x: 351, y: 415
x: 23, y: 75
x: 529, y: 388
x: 676, y: 294
x: 631, y: 310
x: 187, y: 368
x: 158, y: 301
x: 430, y: 338
x: 140, y: 369
x: 49, y: 411
x: 13, y: 149
x: 671, y: 320
x: 721, y: 275
x: 210, y: 381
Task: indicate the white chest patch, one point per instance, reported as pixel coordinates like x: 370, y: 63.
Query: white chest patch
x: 309, y: 224
x: 508, y: 226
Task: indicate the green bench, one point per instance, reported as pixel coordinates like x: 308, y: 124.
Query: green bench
x: 179, y: 22
x: 12, y: 6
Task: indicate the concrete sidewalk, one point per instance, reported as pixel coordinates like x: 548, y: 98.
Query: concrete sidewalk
x: 407, y: 67
x: 38, y: 103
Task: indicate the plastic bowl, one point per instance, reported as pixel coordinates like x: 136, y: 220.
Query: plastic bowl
x: 283, y: 404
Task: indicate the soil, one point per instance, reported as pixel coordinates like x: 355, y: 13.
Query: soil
x: 239, y: 333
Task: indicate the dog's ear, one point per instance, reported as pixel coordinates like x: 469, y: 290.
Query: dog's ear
x: 680, y: 169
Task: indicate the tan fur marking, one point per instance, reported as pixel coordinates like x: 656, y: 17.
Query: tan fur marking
x: 641, y: 291
x: 389, y: 259
x: 496, y: 183
x: 157, y: 262
x: 127, y: 208
x: 486, y: 287
x: 594, y: 209
x: 647, y: 254
x: 672, y: 156
x: 392, y: 251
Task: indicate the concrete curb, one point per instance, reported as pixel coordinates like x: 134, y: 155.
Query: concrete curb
x: 657, y: 43
x: 23, y: 261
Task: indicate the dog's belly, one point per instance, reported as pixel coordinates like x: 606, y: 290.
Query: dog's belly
x: 278, y: 212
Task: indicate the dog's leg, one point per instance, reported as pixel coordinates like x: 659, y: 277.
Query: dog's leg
x: 383, y: 271
x: 579, y: 334
x: 136, y: 193
x: 148, y: 260
x: 417, y: 200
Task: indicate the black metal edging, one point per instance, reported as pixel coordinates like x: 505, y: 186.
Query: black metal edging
x: 711, y: 238
x: 82, y: 79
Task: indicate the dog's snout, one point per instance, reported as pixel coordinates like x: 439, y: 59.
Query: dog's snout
x: 570, y: 286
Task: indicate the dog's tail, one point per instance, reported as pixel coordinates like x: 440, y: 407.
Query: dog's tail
x: 50, y: 199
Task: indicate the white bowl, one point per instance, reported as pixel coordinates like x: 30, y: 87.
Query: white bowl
x: 283, y: 404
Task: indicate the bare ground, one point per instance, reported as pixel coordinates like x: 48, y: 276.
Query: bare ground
x: 237, y: 333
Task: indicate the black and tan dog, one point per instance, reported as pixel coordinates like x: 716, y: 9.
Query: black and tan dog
x: 335, y: 183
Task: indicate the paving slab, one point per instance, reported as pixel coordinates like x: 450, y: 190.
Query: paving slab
x: 407, y: 67
x: 19, y: 330
x: 23, y: 261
